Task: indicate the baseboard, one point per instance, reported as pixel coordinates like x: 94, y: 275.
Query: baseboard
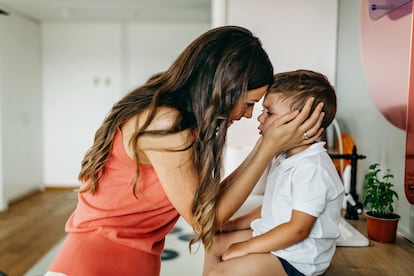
x: 60, y: 188
x: 24, y: 195
x: 36, y: 190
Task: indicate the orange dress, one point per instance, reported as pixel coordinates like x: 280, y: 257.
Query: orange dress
x: 112, y: 232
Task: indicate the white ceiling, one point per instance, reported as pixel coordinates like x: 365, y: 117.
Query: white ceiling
x: 111, y: 10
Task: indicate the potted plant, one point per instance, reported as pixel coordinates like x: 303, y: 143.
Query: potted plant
x: 379, y: 198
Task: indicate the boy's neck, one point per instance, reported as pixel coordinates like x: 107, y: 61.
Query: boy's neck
x: 296, y: 150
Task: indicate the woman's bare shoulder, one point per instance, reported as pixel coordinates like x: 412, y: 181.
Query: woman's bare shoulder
x: 164, y: 119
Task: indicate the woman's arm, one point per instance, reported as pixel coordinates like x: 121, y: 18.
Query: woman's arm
x: 174, y: 167
x: 282, y: 236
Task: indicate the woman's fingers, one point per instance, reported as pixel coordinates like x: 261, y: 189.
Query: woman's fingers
x: 312, y: 123
x: 296, y: 128
x: 296, y: 118
x: 304, y: 113
x: 313, y: 129
x: 285, y: 118
x: 313, y: 138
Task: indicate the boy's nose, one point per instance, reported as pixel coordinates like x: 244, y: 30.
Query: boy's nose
x: 259, y: 118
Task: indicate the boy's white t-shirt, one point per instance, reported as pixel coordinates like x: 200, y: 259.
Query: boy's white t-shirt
x: 307, y: 182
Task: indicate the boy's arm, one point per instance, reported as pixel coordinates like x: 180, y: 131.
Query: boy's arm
x: 282, y: 236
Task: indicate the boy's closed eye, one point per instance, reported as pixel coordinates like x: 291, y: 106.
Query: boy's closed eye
x: 268, y: 112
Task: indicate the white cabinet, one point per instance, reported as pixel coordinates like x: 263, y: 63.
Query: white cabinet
x: 87, y: 67
x: 82, y: 65
x: 21, y: 141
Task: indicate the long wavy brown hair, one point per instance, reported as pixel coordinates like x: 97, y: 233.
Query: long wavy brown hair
x: 204, y: 84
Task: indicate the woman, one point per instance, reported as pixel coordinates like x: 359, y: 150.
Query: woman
x: 158, y: 155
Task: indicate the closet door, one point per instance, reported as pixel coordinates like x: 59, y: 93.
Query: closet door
x: 81, y: 76
x: 21, y: 100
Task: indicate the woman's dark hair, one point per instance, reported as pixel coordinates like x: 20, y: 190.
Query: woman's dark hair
x: 204, y: 84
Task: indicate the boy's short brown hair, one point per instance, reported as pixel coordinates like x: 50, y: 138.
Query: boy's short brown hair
x: 298, y: 86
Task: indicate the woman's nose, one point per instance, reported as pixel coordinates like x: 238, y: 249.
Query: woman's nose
x: 248, y: 112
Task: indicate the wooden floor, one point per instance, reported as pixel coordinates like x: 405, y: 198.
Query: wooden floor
x: 29, y: 228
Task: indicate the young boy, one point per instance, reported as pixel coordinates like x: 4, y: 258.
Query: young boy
x: 294, y: 231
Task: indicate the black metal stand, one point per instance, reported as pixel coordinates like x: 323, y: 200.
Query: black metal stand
x: 351, y: 211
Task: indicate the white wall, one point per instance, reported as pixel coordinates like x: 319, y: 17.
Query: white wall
x: 296, y: 34
x: 81, y: 80
x: 375, y: 137
x: 87, y: 67
x: 152, y: 48
x: 20, y: 98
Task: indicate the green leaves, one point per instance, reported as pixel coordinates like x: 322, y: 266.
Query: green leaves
x: 379, y: 194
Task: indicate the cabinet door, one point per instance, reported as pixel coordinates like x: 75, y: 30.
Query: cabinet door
x: 82, y: 70
x: 21, y: 103
x: 152, y: 48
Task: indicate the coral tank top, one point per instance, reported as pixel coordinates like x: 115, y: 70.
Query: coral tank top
x: 115, y: 213
x: 112, y: 232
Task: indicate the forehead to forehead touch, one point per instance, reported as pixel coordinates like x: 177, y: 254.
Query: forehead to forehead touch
x: 255, y: 95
